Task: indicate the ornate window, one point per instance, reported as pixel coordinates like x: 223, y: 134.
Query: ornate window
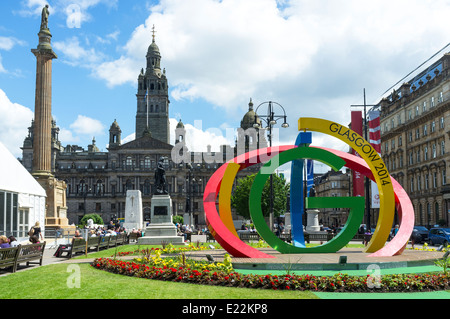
x: 147, y: 162
x: 100, y: 187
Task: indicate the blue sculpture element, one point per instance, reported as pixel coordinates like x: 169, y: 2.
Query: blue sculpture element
x: 304, y: 139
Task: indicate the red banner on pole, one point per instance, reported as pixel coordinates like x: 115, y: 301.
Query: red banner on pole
x: 358, y: 178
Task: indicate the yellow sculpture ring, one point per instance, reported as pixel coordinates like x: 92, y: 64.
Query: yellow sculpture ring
x: 376, y: 165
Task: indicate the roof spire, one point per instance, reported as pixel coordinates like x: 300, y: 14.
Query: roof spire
x: 153, y: 31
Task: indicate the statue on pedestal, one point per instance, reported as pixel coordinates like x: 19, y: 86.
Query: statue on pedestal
x: 160, y: 179
x: 44, y: 17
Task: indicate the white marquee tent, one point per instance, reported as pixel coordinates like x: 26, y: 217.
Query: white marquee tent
x: 17, y: 183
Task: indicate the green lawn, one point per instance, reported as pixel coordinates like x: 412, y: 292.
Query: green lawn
x: 81, y: 281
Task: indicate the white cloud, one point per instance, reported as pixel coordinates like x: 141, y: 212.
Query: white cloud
x: 300, y: 51
x: 77, y: 55
x: 7, y: 43
x: 2, y: 68
x: 129, y: 138
x: 84, y: 125
x: 66, y: 137
x: 198, y: 139
x: 118, y: 72
x: 14, y: 124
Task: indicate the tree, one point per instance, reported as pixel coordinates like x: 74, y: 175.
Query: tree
x: 95, y: 218
x: 177, y: 219
x: 241, y: 194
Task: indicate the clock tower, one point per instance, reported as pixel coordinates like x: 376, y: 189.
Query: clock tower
x: 153, y: 98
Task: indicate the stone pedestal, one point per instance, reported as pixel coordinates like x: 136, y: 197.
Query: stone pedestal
x: 55, y: 206
x: 161, y: 228
x: 133, y: 210
x: 312, y: 221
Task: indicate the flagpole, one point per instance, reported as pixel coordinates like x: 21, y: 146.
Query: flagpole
x: 368, y: 221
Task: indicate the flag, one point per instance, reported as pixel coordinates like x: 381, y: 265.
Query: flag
x: 375, y: 141
x: 358, y: 178
x: 375, y: 130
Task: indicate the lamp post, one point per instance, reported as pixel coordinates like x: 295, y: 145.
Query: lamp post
x: 270, y: 119
x: 190, y: 191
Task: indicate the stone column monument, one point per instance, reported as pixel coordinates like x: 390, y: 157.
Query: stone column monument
x: 56, y: 209
x: 161, y: 228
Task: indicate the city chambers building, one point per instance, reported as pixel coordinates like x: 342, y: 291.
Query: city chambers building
x: 97, y: 182
x: 415, y: 123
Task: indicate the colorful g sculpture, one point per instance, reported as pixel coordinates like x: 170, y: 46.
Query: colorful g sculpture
x: 370, y: 164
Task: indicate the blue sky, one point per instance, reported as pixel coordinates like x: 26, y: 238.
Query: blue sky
x: 312, y: 57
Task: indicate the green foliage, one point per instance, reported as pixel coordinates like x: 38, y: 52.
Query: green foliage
x: 240, y: 196
x: 95, y: 217
x: 178, y: 219
x: 444, y: 263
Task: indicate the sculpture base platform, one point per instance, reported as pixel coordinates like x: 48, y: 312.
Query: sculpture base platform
x: 164, y: 233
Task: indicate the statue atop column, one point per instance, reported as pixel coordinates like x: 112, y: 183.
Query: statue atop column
x: 160, y: 178
x: 44, y: 18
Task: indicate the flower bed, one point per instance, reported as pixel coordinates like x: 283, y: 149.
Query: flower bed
x: 230, y: 278
x: 168, y: 249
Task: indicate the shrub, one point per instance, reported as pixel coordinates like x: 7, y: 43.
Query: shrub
x: 178, y: 219
x: 95, y: 217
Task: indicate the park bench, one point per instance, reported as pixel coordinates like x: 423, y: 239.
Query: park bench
x: 249, y: 236
x: 31, y: 254
x: 8, y: 257
x: 11, y: 258
x: 133, y: 237
x: 112, y: 241
x: 93, y: 242
x: 285, y: 236
x: 318, y: 237
x: 121, y: 239
x: 78, y: 245
x: 104, y: 242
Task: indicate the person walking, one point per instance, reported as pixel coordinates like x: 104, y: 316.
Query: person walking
x: 36, y: 231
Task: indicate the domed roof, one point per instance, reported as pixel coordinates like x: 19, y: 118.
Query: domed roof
x: 115, y: 125
x: 180, y: 124
x: 153, y: 48
x: 250, y: 118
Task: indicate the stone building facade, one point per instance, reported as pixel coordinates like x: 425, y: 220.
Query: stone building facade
x: 415, y: 123
x: 97, y: 182
x: 333, y: 184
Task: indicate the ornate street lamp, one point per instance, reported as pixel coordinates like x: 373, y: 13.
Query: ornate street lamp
x: 270, y: 119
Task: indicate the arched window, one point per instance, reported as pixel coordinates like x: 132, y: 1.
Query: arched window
x: 82, y: 187
x: 99, y: 187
